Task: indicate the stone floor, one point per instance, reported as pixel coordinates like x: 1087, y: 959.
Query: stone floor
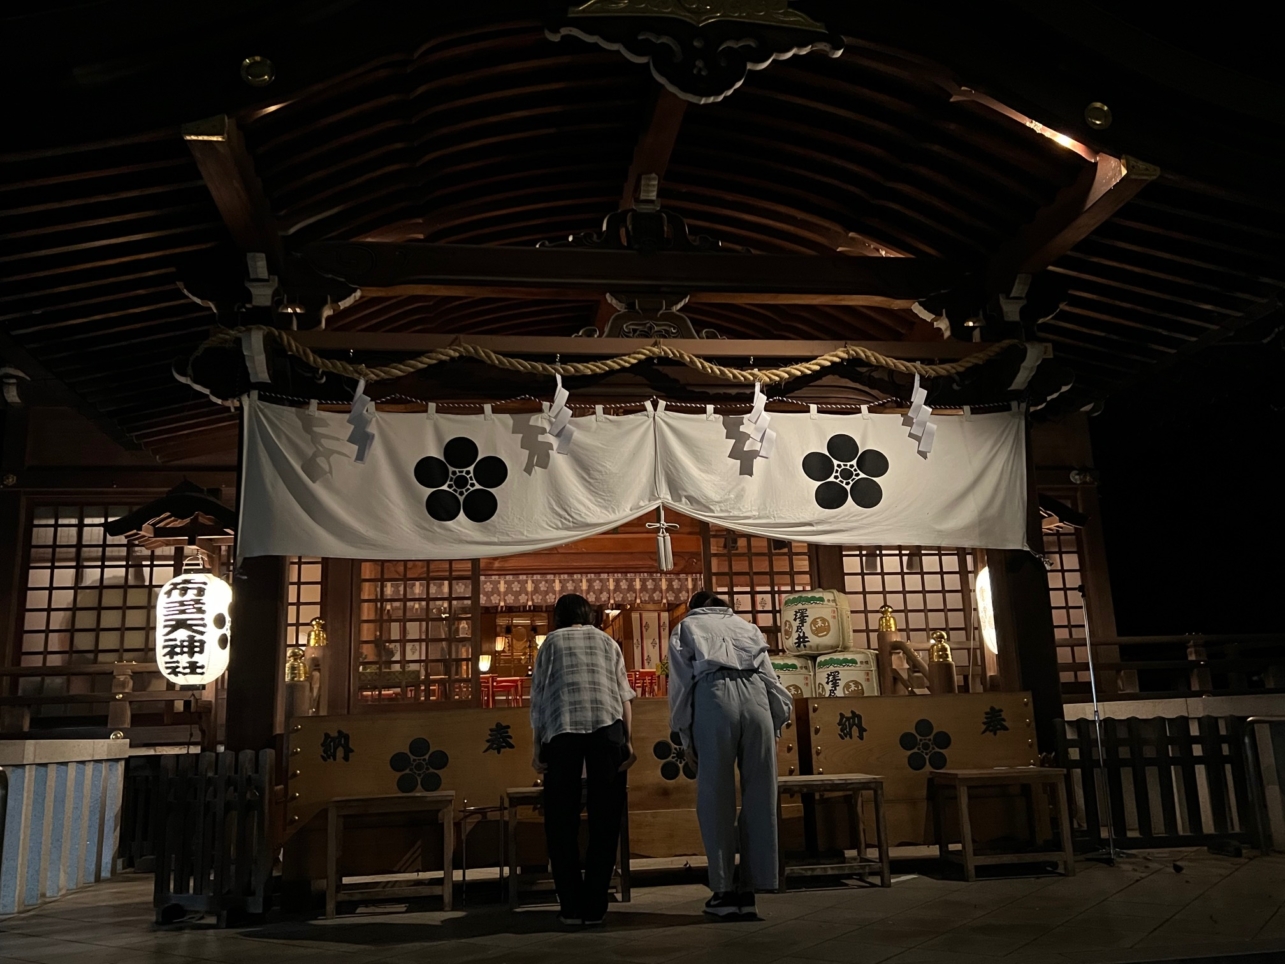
x: 1144, y: 909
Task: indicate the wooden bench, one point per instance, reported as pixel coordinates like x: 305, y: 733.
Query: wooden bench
x: 1028, y: 779
x: 853, y: 784
x: 516, y: 797
x: 440, y: 803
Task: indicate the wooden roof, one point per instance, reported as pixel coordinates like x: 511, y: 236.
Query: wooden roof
x: 474, y: 128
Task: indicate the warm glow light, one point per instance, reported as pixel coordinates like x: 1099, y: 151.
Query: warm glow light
x: 1054, y: 136
x: 500, y: 643
x: 1086, y: 152
x: 986, y: 609
x: 193, y: 630
x: 484, y: 662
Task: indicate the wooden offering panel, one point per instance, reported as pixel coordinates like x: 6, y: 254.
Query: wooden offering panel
x: 478, y: 753
x: 904, y: 739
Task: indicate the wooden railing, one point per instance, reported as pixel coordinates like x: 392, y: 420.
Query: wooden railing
x: 117, y: 702
x: 1165, y: 782
x: 1169, y: 667
x: 213, y: 833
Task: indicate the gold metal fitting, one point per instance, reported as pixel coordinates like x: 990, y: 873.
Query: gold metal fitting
x: 317, y: 634
x: 296, y: 666
x: 886, y: 623
x: 939, y: 651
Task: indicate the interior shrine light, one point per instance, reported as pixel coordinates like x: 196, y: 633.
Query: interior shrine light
x: 193, y: 628
x: 986, y: 609
x: 484, y: 663
x: 1086, y: 152
x: 502, y: 641
x: 539, y: 639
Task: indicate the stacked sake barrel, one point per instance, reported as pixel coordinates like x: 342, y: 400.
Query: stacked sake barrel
x: 820, y: 658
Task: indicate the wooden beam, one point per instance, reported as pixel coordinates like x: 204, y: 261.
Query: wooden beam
x: 606, y: 309
x: 879, y: 281
x: 60, y: 393
x: 655, y: 143
x: 228, y: 171
x: 1078, y: 210
x: 707, y: 348
x: 144, y: 480
x: 1264, y: 309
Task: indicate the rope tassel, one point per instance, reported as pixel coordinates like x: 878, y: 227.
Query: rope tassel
x: 664, y: 545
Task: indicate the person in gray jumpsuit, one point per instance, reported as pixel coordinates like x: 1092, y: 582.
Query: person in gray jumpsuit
x: 728, y: 707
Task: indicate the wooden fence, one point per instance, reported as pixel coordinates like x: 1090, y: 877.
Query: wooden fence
x: 138, y: 824
x: 213, y: 832
x: 1169, y: 782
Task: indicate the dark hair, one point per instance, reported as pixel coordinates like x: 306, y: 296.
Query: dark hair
x: 572, y: 609
x: 705, y: 599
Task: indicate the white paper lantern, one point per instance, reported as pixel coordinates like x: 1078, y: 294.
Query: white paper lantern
x: 193, y: 628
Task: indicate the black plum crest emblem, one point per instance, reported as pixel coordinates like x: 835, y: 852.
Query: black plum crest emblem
x: 418, y: 766
x: 461, y: 480
x: 673, y: 757
x: 926, y: 746
x: 846, y: 472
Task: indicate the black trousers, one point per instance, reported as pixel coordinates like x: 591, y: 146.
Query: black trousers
x: 598, y: 755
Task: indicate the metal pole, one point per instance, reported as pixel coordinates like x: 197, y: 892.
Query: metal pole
x: 1110, y: 855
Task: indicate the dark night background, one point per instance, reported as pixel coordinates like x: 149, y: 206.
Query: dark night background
x: 1189, y: 459
x: 1190, y: 491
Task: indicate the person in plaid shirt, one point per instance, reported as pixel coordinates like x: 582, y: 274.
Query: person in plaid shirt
x: 581, y: 723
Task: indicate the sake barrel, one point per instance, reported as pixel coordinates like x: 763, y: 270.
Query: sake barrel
x: 816, y: 622
x: 795, y: 674
x: 847, y: 674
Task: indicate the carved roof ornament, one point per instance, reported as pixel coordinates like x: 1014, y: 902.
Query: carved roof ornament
x: 700, y: 50
x: 646, y: 227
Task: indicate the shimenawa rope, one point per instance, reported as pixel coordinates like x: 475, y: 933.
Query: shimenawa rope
x: 768, y: 376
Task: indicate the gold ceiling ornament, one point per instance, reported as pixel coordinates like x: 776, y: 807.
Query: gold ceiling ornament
x: 771, y: 13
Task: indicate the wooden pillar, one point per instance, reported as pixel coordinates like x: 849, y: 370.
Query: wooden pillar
x: 1024, y: 632
x: 827, y: 567
x: 13, y: 445
x: 256, y: 667
x: 338, y: 661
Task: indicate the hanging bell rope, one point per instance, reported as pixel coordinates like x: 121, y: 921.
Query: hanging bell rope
x: 230, y: 337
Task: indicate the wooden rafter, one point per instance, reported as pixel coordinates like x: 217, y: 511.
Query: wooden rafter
x: 655, y: 143
x: 228, y: 171
x: 1102, y: 188
x: 394, y: 270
